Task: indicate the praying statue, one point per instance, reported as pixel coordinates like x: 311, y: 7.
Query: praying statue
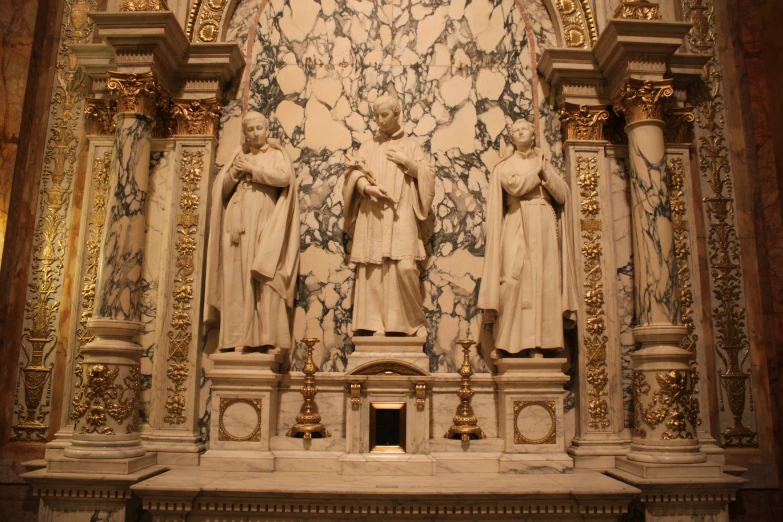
x: 253, y: 250
x: 528, y: 283
x: 388, y: 191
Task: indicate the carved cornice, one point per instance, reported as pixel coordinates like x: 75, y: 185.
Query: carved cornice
x: 136, y: 93
x: 642, y: 99
x: 679, y: 125
x: 196, y: 117
x: 583, y: 122
x: 637, y: 10
x: 100, y: 116
x: 144, y: 5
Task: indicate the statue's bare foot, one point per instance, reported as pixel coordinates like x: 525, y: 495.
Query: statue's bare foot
x: 494, y: 355
x: 536, y: 353
x: 379, y: 333
x: 421, y: 332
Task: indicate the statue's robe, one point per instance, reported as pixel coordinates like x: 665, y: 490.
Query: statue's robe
x: 387, y: 241
x: 253, y: 251
x: 528, y: 277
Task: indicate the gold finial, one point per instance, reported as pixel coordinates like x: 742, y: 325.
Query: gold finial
x: 308, y: 421
x: 465, y: 422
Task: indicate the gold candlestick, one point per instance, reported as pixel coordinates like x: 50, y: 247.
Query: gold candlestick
x: 308, y: 421
x: 465, y: 422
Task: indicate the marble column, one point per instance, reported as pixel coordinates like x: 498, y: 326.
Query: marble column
x: 106, y: 395
x: 665, y: 412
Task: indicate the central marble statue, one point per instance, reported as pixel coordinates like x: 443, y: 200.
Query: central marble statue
x: 388, y: 191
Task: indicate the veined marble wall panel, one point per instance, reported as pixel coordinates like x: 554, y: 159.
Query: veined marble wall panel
x: 462, y: 72
x: 623, y: 269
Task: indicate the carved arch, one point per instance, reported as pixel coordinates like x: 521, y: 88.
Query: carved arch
x: 573, y: 20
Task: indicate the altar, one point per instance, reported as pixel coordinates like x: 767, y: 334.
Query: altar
x: 405, y: 260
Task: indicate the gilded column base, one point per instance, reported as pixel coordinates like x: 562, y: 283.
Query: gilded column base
x: 106, y: 394
x: 666, y: 414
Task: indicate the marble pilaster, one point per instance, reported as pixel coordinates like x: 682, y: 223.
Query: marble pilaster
x: 176, y: 367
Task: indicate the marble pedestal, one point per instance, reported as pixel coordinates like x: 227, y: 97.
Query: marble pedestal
x: 244, y: 408
x: 530, y: 411
x: 679, y: 492
x: 370, y: 348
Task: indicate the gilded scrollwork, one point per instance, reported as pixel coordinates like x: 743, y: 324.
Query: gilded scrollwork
x: 642, y: 99
x: 672, y: 404
x: 595, y: 339
x: 207, y: 15
x: 578, y: 23
x: 583, y: 122
x: 99, y: 397
x: 181, y: 332
x: 724, y: 257
x: 33, y: 391
x: 637, y: 10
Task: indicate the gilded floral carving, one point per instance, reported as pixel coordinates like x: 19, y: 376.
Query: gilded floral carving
x: 100, y: 396
x: 595, y: 328
x: 181, y: 332
x: 671, y: 403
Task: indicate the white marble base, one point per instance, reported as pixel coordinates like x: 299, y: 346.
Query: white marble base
x: 646, y: 470
x: 403, y: 464
x: 535, y: 463
x: 125, y: 466
x: 530, y: 405
x: 597, y: 452
x: 384, y: 497
x: 244, y: 404
x: 237, y: 460
x: 368, y: 349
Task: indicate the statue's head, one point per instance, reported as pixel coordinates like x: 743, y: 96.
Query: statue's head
x: 255, y: 128
x: 522, y: 134
x: 386, y: 110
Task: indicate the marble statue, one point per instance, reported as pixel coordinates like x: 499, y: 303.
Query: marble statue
x: 389, y: 188
x: 528, y: 282
x: 253, y: 251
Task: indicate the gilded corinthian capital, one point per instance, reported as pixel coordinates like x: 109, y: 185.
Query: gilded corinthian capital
x: 135, y: 92
x: 197, y: 117
x: 642, y: 99
x: 583, y: 122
